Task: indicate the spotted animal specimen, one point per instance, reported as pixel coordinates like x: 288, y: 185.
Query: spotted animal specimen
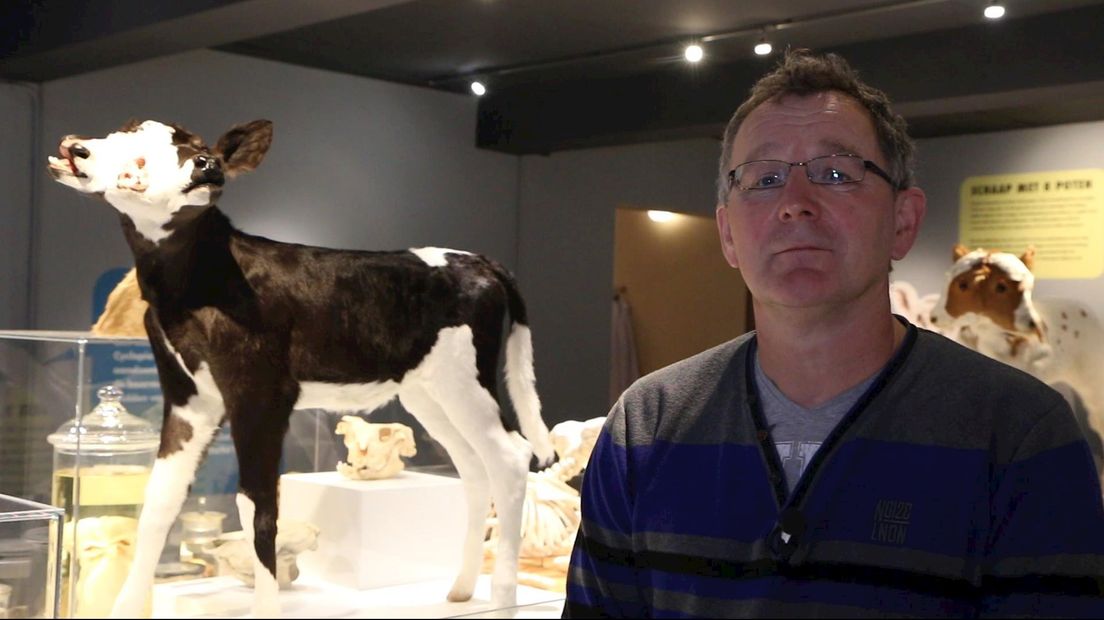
x: 247, y: 329
x: 988, y: 305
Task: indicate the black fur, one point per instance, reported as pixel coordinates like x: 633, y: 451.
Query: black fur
x: 265, y: 315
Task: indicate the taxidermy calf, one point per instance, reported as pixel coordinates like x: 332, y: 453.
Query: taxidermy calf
x: 988, y: 305
x: 247, y: 329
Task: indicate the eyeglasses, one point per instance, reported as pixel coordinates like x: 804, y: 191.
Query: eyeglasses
x: 835, y: 169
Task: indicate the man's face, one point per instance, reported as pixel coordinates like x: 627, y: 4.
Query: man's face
x: 807, y: 245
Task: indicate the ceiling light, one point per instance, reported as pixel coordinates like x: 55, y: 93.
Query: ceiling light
x: 478, y: 88
x: 661, y: 216
x: 693, y: 53
x: 995, y: 10
x: 763, y: 47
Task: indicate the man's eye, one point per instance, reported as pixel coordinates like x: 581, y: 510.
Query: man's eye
x: 833, y: 175
x: 767, y: 180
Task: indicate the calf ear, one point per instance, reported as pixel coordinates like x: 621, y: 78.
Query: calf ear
x: 244, y: 146
x: 1028, y: 258
x: 959, y: 251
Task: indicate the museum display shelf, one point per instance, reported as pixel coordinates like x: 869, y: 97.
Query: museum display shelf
x: 29, y: 558
x: 310, y: 597
x: 51, y: 381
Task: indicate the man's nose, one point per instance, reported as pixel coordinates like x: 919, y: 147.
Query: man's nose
x: 798, y: 199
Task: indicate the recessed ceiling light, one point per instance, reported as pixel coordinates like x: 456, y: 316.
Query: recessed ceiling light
x: 478, y: 88
x: 693, y: 53
x: 995, y: 10
x: 763, y: 47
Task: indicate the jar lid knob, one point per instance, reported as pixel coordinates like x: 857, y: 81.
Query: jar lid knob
x: 109, y: 393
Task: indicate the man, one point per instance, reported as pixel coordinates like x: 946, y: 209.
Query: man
x: 837, y: 461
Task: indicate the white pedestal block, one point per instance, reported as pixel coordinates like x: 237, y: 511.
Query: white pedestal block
x: 375, y: 533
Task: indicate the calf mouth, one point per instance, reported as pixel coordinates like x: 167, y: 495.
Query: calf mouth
x: 212, y: 179
x: 66, y: 165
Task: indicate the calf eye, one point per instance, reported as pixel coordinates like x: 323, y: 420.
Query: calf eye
x: 1001, y: 287
x: 963, y: 286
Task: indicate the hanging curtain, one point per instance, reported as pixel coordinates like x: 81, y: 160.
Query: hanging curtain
x: 624, y: 366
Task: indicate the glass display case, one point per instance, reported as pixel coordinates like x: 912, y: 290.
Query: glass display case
x: 58, y: 383
x: 29, y: 558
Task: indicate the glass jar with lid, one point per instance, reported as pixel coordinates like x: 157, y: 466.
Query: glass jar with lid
x: 102, y: 462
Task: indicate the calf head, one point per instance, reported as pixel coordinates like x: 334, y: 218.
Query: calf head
x: 993, y: 285
x: 151, y: 171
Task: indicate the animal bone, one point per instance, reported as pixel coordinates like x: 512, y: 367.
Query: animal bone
x: 551, y: 513
x: 374, y: 449
x: 235, y: 554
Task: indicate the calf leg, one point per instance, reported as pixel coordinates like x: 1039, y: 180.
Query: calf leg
x: 475, y: 414
x: 472, y: 473
x: 258, y: 441
x: 185, y: 435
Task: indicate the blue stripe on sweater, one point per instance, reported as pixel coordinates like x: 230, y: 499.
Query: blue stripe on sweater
x: 874, y: 484
x: 1043, y: 605
x: 1068, y: 488
x: 704, y: 490
x: 814, y: 593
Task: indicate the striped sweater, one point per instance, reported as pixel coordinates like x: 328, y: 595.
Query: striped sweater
x: 958, y: 486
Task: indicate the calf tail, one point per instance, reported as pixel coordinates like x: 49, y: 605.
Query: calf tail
x: 521, y: 382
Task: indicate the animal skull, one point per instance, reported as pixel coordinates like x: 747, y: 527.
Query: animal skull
x: 374, y: 449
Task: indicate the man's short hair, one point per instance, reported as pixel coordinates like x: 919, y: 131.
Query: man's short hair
x: 803, y: 73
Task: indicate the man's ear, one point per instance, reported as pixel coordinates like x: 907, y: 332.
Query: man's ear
x: 728, y: 245
x: 911, y: 204
x: 244, y: 146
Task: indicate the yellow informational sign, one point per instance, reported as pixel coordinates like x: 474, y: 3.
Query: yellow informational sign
x: 1061, y: 213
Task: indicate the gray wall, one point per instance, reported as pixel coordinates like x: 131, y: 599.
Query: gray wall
x: 566, y: 232
x: 944, y: 163
x: 365, y: 164
x: 17, y: 138
x: 565, y: 253
x: 355, y: 163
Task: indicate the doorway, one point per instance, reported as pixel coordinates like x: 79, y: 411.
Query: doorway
x: 682, y: 295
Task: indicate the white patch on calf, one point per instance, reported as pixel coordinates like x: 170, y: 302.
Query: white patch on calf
x: 965, y: 263
x: 345, y: 396
x: 435, y: 257
x: 521, y: 384
x: 171, y: 476
x: 140, y: 173
x: 266, y: 590
x: 449, y: 377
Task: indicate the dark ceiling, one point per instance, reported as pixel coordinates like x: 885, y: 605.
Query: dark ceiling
x: 577, y: 73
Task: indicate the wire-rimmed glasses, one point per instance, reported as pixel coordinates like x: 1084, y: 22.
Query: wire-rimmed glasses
x: 835, y: 169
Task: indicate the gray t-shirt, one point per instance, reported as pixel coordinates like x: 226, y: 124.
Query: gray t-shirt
x: 797, y: 432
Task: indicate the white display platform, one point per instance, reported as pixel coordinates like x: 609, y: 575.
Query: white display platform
x: 377, y: 533
x: 226, y: 597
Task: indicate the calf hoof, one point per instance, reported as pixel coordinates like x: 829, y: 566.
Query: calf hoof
x: 504, y: 597
x: 127, y: 605
x: 266, y: 608
x: 459, y: 593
